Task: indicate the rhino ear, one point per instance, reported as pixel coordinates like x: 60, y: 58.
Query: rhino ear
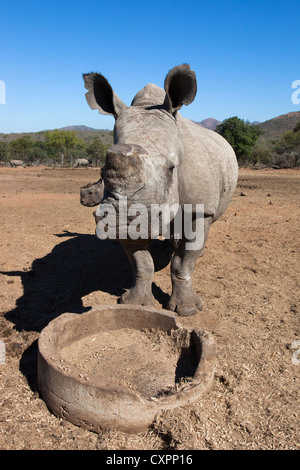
x: 101, y: 95
x: 180, y: 87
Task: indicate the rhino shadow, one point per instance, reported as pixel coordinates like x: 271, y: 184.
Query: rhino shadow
x: 75, y: 267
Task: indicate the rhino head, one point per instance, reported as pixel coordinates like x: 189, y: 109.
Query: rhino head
x: 92, y: 193
x: 144, y: 163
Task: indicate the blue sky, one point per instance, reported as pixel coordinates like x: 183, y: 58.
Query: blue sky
x: 245, y: 55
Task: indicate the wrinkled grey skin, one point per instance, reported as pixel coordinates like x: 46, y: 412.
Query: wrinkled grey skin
x: 15, y: 163
x: 81, y: 162
x: 160, y: 157
x: 92, y: 194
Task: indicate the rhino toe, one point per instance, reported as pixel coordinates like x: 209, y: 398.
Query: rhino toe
x: 185, y: 309
x: 137, y: 297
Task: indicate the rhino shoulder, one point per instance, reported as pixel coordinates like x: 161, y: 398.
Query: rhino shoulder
x: 209, y: 166
x: 204, y: 143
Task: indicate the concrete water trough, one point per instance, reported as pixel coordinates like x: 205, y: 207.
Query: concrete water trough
x: 116, y: 367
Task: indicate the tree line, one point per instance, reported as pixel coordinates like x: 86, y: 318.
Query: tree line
x: 62, y: 147
x: 59, y: 147
x: 283, y: 152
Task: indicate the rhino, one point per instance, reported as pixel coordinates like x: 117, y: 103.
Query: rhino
x: 92, y: 193
x: 15, y: 163
x: 79, y: 162
x: 159, y: 157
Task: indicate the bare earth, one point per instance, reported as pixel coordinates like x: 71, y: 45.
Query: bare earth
x: 51, y: 263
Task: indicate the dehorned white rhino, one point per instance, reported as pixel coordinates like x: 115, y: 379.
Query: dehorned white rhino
x: 92, y: 193
x: 15, y: 163
x: 161, y: 159
x: 79, y: 162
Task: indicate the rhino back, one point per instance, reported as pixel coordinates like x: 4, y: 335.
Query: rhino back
x: 208, y: 172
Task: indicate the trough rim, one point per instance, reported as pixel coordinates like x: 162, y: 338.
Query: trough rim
x: 49, y: 356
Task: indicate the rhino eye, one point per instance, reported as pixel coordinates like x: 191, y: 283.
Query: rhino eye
x: 168, y: 171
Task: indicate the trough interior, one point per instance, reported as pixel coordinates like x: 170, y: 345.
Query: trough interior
x: 154, y: 361
x: 151, y: 362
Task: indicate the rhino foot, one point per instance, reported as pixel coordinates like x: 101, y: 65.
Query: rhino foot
x: 185, y: 307
x: 137, y: 296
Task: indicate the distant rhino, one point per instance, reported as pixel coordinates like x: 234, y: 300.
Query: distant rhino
x: 81, y: 162
x: 159, y: 157
x: 15, y: 163
x: 92, y: 193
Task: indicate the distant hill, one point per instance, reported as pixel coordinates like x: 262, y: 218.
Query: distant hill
x: 84, y: 132
x: 77, y: 128
x: 274, y: 128
x: 209, y: 123
x: 89, y: 133
x: 81, y: 128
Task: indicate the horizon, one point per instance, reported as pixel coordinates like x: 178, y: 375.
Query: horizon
x: 109, y: 130
x: 244, y: 56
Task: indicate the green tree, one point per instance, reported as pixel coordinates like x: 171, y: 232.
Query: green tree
x: 21, y: 148
x: 40, y: 153
x: 3, y: 151
x: 241, y: 135
x: 292, y: 138
x: 297, y: 127
x: 287, y: 149
x: 96, y: 151
x: 63, y: 143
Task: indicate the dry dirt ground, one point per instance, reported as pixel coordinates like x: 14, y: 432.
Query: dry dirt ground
x: 51, y: 263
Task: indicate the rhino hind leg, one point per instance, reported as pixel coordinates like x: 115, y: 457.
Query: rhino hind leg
x: 183, y: 299
x: 142, y: 267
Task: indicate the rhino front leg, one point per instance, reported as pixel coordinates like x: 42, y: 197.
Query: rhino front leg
x: 183, y: 300
x: 142, y: 267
